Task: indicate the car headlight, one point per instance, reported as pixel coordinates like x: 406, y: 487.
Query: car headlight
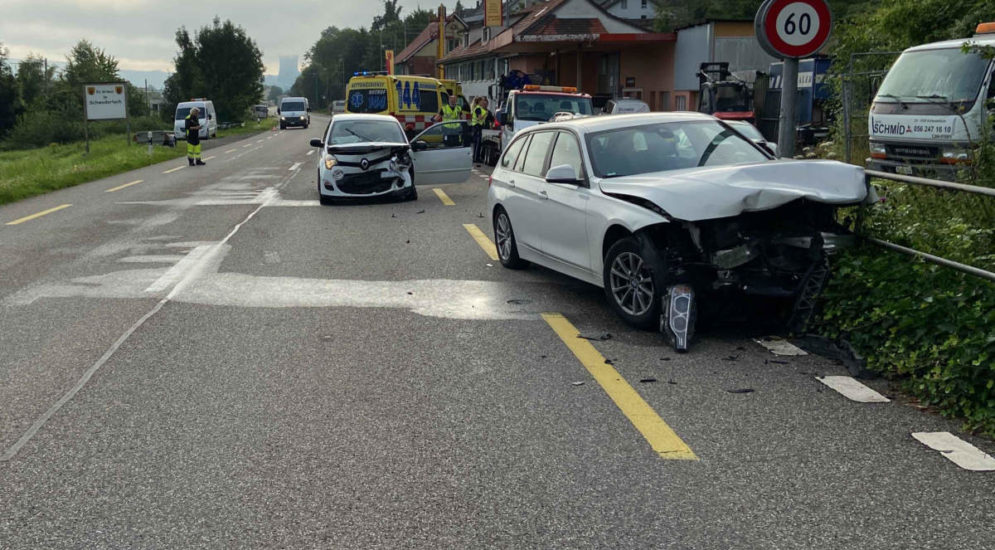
x: 954, y: 155
x: 330, y: 162
x: 303, y: 117
x: 283, y: 118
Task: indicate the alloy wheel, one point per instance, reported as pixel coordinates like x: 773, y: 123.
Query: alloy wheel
x: 632, y: 284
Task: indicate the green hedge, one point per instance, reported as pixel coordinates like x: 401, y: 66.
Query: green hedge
x: 931, y: 327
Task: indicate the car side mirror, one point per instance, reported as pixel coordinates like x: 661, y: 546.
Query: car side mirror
x: 210, y: 117
x: 419, y: 145
x: 317, y: 143
x: 277, y: 110
x: 562, y: 173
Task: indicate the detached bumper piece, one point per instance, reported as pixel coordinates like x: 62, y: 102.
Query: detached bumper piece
x: 677, y: 316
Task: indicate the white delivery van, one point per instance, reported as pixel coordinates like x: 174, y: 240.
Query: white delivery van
x: 932, y: 107
x: 294, y: 111
x: 208, y: 118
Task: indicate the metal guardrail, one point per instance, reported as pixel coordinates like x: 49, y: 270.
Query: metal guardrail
x: 913, y: 180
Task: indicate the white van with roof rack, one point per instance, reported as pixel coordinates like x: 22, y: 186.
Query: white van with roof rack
x: 206, y: 108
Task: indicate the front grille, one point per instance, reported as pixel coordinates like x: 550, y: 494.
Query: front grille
x: 916, y: 152
x: 365, y: 183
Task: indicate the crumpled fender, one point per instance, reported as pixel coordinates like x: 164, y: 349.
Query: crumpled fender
x: 708, y: 193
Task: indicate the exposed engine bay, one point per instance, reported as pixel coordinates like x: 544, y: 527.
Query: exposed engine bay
x: 781, y: 254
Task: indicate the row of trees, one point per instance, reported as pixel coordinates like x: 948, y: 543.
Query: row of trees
x: 339, y: 53
x: 39, y: 105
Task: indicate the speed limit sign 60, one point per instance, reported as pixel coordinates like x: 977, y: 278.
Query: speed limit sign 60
x: 793, y: 28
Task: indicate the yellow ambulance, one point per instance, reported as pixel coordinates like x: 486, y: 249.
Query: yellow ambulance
x: 410, y: 99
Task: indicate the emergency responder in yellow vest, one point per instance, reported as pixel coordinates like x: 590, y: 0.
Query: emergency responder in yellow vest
x: 478, y: 122
x: 451, y: 133
x: 193, y: 138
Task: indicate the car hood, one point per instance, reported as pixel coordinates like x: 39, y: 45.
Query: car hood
x: 708, y: 193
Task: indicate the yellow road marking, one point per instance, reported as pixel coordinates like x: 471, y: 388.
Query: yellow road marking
x: 246, y: 146
x: 443, y: 197
x: 208, y: 158
x: 120, y: 187
x: 231, y: 150
x: 174, y: 169
x: 39, y: 214
x: 660, y: 436
x: 483, y: 240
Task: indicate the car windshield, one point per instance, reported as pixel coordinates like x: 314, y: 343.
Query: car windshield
x: 930, y: 75
x: 542, y: 107
x: 364, y: 131
x: 667, y: 146
x: 731, y: 98
x: 291, y: 106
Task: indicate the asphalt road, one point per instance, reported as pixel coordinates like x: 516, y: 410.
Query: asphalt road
x: 208, y: 358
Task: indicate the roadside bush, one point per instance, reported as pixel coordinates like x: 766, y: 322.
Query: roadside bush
x: 40, y: 128
x: 930, y: 327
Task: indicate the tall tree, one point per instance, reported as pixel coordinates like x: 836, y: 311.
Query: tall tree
x: 34, y: 79
x: 221, y: 63
x: 10, y: 100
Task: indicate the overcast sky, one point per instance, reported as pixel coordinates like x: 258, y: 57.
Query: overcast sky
x: 140, y: 33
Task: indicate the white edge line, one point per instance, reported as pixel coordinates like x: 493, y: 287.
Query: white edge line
x: 853, y: 390
x: 957, y: 450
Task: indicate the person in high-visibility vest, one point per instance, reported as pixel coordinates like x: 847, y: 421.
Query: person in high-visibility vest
x: 451, y: 133
x: 193, y: 138
x: 478, y: 121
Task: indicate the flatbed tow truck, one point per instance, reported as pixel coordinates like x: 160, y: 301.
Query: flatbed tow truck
x: 531, y: 105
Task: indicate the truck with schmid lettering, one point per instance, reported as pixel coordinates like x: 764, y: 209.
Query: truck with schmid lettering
x: 933, y: 108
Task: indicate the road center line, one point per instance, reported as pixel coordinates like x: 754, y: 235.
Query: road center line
x: 294, y: 167
x: 171, y: 170
x: 957, y: 450
x: 246, y: 146
x: 443, y: 197
x: 853, y: 390
x: 231, y: 150
x: 483, y: 240
x: 193, y: 273
x: 309, y: 153
x: 209, y: 158
x: 39, y: 214
x: 664, y: 441
x: 120, y: 187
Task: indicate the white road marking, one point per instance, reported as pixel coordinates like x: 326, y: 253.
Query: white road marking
x: 957, y: 450
x: 294, y: 167
x: 176, y: 273
x: 853, y: 390
x: 309, y: 153
x: 152, y: 259
x: 779, y: 346
x: 259, y: 141
x: 282, y: 202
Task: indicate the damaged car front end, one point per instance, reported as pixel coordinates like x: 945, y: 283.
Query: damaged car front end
x: 762, y: 231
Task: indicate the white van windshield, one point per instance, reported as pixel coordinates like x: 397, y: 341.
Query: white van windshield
x: 292, y: 106
x: 182, y: 112
x: 934, y: 75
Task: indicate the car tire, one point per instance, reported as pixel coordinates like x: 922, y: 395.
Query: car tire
x: 411, y: 194
x: 629, y: 285
x: 504, y: 241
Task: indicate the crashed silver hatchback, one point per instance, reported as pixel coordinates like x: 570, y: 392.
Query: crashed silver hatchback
x: 670, y: 213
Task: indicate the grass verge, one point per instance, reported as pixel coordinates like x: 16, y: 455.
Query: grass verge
x: 31, y: 172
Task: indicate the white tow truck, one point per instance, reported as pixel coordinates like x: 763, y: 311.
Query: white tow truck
x: 532, y: 105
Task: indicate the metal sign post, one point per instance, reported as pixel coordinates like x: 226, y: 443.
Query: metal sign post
x: 791, y: 30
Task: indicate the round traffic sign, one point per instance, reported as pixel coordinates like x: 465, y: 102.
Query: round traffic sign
x: 793, y: 28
